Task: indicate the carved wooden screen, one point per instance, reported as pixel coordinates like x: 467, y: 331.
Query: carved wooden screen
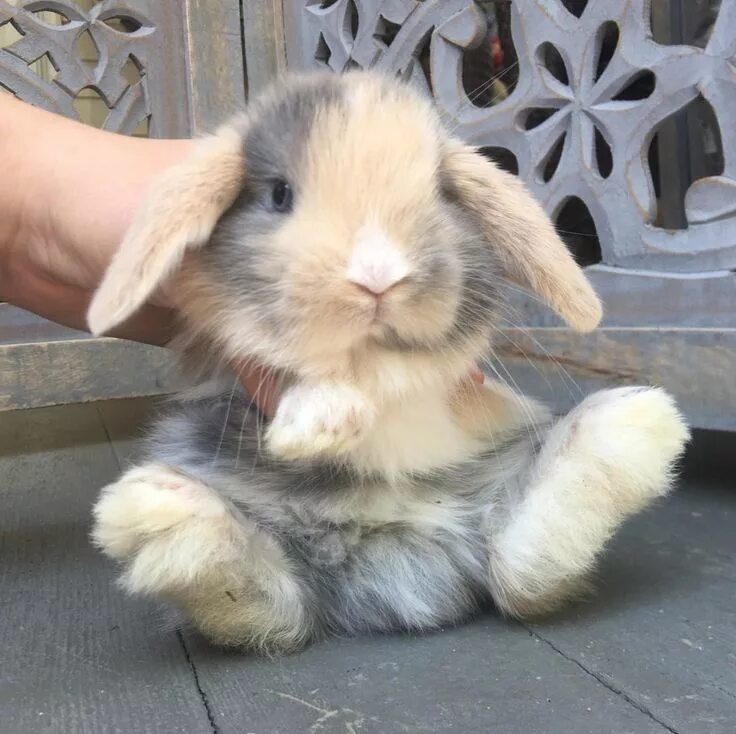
x: 621, y: 117
x: 114, y: 51
x: 143, y: 67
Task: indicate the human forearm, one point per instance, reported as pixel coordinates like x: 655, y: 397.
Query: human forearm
x: 67, y: 194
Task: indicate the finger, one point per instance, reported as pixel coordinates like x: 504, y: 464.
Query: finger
x: 260, y: 383
x: 67, y: 305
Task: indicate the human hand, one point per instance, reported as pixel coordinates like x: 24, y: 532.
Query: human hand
x: 67, y: 195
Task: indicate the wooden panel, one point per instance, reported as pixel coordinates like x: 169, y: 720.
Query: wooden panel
x: 429, y: 42
x: 215, y: 61
x: 646, y: 298
x: 18, y: 326
x: 77, y: 655
x: 265, y: 45
x: 697, y: 365
x: 80, y: 370
x: 131, y: 55
x: 638, y: 298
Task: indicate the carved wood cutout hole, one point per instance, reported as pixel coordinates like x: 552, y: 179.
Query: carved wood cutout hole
x: 142, y: 129
x: 550, y: 163
x: 502, y: 157
x: 685, y: 147
x: 323, y: 52
x: 123, y: 24
x: 535, y: 116
x: 639, y: 87
x: 132, y: 71
x: 489, y: 71
x: 44, y: 66
x: 576, y: 7
x: 352, y: 20
x: 86, y: 50
x: 386, y: 31
x: 603, y: 154
x: 576, y: 227
x: 91, y: 107
x: 51, y: 16
x: 552, y: 60
x: 418, y: 68
x: 9, y: 34
x: 608, y: 35
x: 691, y: 22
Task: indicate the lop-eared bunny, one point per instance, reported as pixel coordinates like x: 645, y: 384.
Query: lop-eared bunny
x: 337, y: 234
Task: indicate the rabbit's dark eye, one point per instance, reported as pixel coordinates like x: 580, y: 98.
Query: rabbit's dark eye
x: 282, y: 197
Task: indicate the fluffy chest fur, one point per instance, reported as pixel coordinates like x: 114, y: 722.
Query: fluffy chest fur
x: 436, y: 474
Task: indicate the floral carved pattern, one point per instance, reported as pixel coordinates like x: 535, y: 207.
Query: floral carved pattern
x: 122, y: 37
x: 559, y: 115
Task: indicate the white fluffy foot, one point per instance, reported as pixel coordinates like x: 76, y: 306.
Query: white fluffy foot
x: 177, y: 539
x: 602, y: 463
x: 164, y: 526
x: 319, y: 420
x: 636, y: 434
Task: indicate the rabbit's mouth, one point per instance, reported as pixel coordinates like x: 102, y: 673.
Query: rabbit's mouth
x: 389, y: 338
x: 379, y: 310
x: 404, y: 319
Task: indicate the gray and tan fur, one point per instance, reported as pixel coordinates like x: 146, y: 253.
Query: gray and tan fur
x: 337, y: 234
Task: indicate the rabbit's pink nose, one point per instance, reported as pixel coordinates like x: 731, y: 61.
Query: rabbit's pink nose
x: 376, y: 264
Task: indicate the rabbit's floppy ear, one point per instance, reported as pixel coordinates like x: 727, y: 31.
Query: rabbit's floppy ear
x: 179, y: 213
x: 532, y: 254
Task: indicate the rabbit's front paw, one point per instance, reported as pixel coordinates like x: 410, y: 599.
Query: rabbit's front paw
x: 160, y: 524
x: 319, y: 420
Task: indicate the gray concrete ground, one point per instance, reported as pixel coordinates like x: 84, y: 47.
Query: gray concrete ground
x: 655, y: 651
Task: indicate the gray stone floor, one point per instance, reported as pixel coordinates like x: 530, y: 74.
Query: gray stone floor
x: 655, y: 651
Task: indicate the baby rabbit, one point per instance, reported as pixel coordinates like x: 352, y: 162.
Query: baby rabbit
x: 339, y: 235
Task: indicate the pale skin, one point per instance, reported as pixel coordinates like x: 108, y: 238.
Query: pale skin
x: 67, y: 195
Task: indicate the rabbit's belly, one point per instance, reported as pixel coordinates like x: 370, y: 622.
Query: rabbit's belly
x: 423, y: 566
x: 378, y: 505
x: 336, y: 517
